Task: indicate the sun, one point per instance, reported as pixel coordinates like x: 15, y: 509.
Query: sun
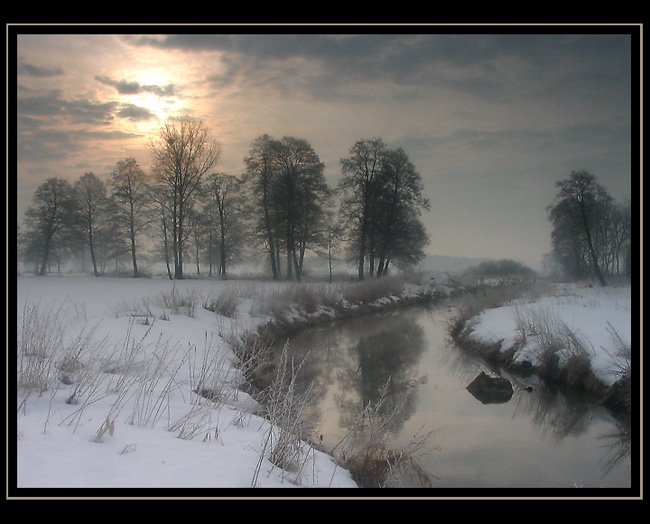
x: 150, y: 95
x: 157, y: 107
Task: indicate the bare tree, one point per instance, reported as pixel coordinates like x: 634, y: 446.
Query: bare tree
x: 303, y: 192
x: 182, y: 156
x: 262, y: 175
x: 382, y: 200
x: 132, y: 197
x: 46, y: 221
x: 574, y: 215
x: 400, y: 236
x: 92, y: 200
x: 361, y: 171
x: 224, y: 200
x: 290, y: 195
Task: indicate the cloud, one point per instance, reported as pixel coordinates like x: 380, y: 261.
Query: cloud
x: 75, y: 111
x: 135, y: 113
x: 39, y: 72
x: 487, y: 67
x: 36, y: 143
x: 134, y: 88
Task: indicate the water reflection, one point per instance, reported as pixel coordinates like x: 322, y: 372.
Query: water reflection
x: 401, y: 369
x: 373, y: 361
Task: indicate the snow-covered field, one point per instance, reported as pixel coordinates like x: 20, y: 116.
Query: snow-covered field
x: 136, y: 423
x: 108, y: 367
x: 600, y: 319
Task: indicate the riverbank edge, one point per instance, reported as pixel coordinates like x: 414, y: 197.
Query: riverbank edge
x: 272, y: 332
x: 280, y: 328
x: 615, y: 397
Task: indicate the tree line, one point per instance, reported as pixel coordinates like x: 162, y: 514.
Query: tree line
x: 281, y: 207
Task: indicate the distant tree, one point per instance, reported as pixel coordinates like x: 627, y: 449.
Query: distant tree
x: 360, y: 186
x: 501, y: 268
x: 92, y: 212
x: 184, y: 153
x: 261, y: 174
x: 197, y: 229
x: 332, y: 237
x: 48, y: 218
x: 132, y: 198
x: 620, y: 234
x: 407, y: 247
x: 163, y: 220
x: 577, y: 214
x: 401, y: 236
x: 302, y: 193
x: 223, y: 206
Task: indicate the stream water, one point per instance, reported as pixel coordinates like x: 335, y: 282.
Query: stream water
x: 403, y: 364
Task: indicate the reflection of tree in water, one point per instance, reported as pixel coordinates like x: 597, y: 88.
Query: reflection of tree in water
x: 618, y: 446
x: 565, y: 416
x: 559, y: 413
x: 382, y: 370
x: 318, y: 349
x: 561, y: 416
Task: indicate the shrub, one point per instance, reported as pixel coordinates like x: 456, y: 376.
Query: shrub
x: 180, y: 304
x: 371, y: 290
x: 39, y: 345
x: 224, y: 304
x: 501, y: 268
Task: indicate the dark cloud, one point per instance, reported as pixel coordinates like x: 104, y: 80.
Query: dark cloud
x: 133, y: 88
x: 492, y: 67
x: 73, y: 111
x: 36, y: 143
x: 39, y: 72
x: 135, y: 113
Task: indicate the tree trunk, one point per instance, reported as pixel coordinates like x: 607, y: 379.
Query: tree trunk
x: 92, y: 253
x: 362, y: 254
x: 590, y: 245
x: 133, y: 257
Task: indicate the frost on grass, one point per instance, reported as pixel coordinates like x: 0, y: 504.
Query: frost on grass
x: 570, y: 335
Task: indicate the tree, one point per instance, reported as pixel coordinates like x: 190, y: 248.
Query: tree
x: 331, y: 241
x: 401, y: 235
x: 289, y: 196
x: 46, y: 221
x: 92, y: 211
x: 132, y: 197
x: 381, y: 205
x: 361, y: 171
x: 302, y: 192
x: 182, y: 156
x: 504, y: 267
x: 223, y: 203
x: 164, y: 220
x: 262, y: 176
x: 578, y: 207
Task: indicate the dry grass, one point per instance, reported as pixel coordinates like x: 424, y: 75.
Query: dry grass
x: 366, y: 452
x: 180, y: 303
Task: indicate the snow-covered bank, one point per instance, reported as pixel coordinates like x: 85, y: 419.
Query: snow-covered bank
x: 584, y: 332
x: 108, y: 371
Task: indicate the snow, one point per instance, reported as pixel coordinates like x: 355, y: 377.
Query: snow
x: 164, y: 435
x: 147, y: 359
x: 597, y: 316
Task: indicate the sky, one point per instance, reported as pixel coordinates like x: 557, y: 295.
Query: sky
x: 490, y: 119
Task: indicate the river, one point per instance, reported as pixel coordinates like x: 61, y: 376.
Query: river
x: 402, y: 368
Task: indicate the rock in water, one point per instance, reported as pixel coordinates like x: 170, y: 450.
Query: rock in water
x: 490, y: 390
